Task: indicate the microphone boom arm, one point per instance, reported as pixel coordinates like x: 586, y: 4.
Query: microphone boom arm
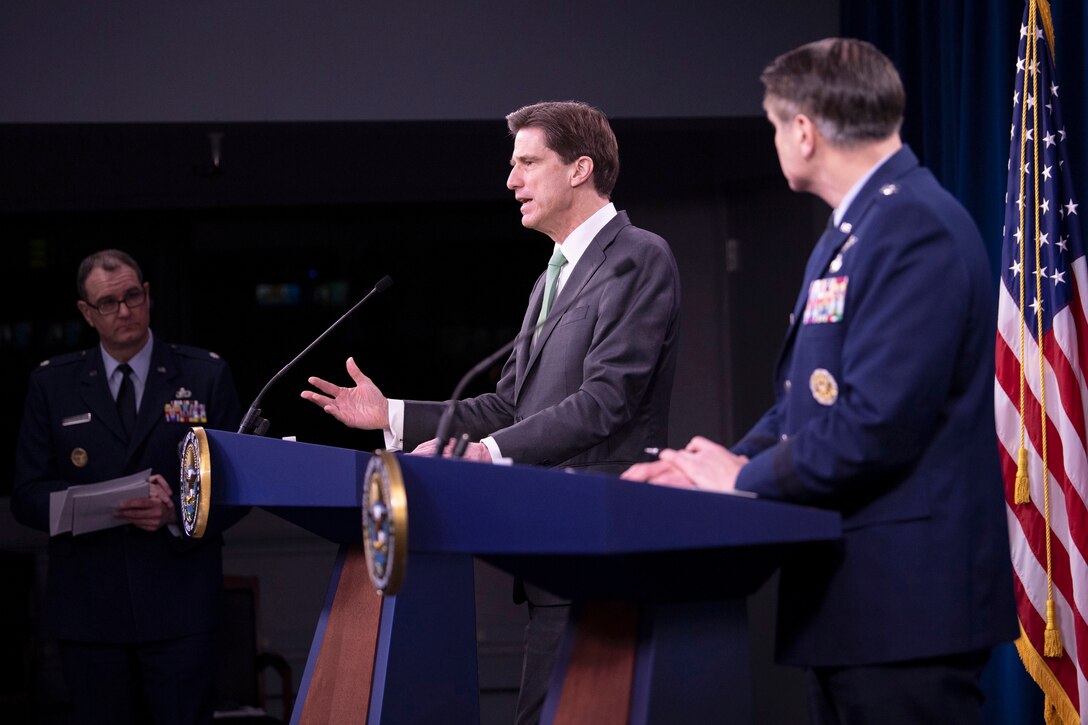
x: 252, y: 422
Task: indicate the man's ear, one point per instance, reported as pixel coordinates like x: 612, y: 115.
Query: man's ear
x: 581, y: 170
x: 87, y: 311
x: 806, y: 133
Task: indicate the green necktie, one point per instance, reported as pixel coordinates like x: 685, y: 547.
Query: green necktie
x: 551, y: 284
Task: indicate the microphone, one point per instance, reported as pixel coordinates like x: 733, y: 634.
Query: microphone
x: 446, y: 421
x: 252, y: 422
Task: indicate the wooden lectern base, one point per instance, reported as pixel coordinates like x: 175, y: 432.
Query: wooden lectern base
x: 339, y: 688
x: 596, y: 686
x: 406, y: 658
x: 653, y: 663
x: 412, y: 657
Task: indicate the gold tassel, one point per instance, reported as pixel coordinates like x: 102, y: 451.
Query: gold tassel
x: 1052, y: 638
x: 1022, y: 493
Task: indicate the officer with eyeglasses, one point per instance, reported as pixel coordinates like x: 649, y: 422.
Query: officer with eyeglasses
x: 134, y: 608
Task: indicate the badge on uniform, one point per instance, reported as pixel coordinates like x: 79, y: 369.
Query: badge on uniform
x: 185, y: 411
x: 823, y: 386
x: 836, y: 263
x: 826, y: 299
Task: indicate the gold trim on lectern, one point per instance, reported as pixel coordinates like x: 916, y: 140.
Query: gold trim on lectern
x: 385, y: 522
x: 196, y: 482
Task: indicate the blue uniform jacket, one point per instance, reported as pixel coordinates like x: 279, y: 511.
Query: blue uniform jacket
x: 884, y: 412
x: 121, y: 584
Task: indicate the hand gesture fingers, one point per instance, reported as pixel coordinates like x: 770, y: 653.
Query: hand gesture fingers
x: 362, y: 406
x: 324, y: 386
x: 356, y: 374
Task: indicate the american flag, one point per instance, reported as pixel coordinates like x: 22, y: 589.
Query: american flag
x: 1043, y: 335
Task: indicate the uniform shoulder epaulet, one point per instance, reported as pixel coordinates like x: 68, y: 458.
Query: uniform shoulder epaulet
x: 194, y: 352
x: 66, y: 359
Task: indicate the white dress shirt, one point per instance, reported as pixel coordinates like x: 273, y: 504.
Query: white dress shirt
x: 140, y: 364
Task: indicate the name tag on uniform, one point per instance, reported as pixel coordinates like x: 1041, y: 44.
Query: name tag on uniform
x: 76, y: 419
x: 826, y: 299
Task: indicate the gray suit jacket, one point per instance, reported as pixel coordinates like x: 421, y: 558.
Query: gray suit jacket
x: 594, y: 390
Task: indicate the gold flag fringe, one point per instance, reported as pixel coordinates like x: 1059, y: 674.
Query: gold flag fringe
x: 1058, y: 708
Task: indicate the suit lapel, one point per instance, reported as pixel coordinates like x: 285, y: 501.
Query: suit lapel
x: 525, y: 346
x: 95, y: 391
x: 590, y: 261
x: 587, y: 266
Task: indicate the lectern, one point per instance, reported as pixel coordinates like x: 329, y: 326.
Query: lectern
x: 660, y: 575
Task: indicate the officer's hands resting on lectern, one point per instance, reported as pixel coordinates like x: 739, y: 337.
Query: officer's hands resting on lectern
x: 701, y: 464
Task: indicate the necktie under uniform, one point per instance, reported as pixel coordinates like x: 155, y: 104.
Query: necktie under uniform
x: 551, y: 284
x: 126, y: 399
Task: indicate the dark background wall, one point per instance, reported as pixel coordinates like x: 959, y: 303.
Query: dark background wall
x: 68, y: 61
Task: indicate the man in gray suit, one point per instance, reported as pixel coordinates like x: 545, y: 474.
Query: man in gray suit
x: 586, y: 387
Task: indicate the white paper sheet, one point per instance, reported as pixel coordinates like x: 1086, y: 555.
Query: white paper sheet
x: 90, y: 507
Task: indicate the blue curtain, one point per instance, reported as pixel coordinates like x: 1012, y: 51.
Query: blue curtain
x: 958, y: 63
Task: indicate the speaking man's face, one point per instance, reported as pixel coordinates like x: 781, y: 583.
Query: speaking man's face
x: 542, y: 184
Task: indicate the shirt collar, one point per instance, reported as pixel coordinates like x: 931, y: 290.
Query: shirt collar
x: 574, y: 246
x: 844, y: 205
x: 140, y: 362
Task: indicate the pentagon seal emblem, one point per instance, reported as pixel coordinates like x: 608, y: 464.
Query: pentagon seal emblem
x: 196, y: 482
x: 823, y: 386
x: 385, y: 522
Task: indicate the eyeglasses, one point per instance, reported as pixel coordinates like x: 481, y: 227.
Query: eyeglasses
x: 109, y: 306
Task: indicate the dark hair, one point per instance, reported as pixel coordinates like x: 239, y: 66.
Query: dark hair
x: 107, y: 259
x: 573, y: 129
x: 847, y: 87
